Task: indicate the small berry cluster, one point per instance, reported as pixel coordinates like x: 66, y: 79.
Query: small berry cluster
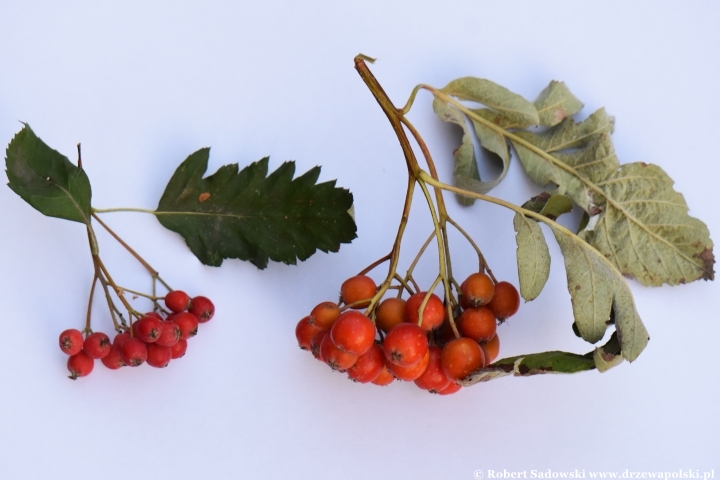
x: 410, y: 340
x: 153, y: 338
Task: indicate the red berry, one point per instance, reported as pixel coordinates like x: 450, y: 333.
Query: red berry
x: 355, y: 289
x: 112, y: 360
x: 97, y: 345
x: 477, y: 323
x: 384, y: 377
x: 179, y: 349
x: 368, y: 365
x: 406, y: 344
x: 147, y: 329
x: 353, y: 333
x: 71, y: 341
x: 506, y: 301
x: 158, y: 356
x: 433, y: 379
x: 334, y: 357
x: 155, y: 315
x: 450, y: 389
x: 410, y: 373
x: 491, y: 349
x: 119, y: 338
x: 133, y: 352
x: 461, y: 357
x: 177, y: 301
x: 170, y: 334
x: 433, y: 314
x: 478, y: 289
x: 324, y: 315
x: 316, y: 342
x: 188, y: 324
x: 304, y: 333
x: 202, y: 308
x: 80, y: 365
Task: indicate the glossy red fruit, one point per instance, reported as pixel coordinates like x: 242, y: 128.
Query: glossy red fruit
x: 406, y: 344
x: 154, y: 315
x: 133, y: 352
x: 389, y: 313
x: 304, y: 333
x: 80, y: 365
x: 177, y: 301
x: 368, y: 365
x: 178, y: 350
x: 450, y: 389
x: 478, y: 289
x: 71, y: 341
x: 202, y: 308
x: 170, y: 334
x: 119, y: 338
x: 324, y: 315
x: 147, y: 328
x: 506, y: 301
x: 461, y: 357
x: 334, y: 357
x: 97, y: 345
x: 316, y: 342
x: 491, y: 349
x: 433, y: 379
x: 477, y: 323
x: 384, y: 377
x: 158, y: 356
x: 353, y: 333
x: 433, y: 314
x: 112, y: 360
x: 357, y: 288
x: 188, y: 324
x: 410, y: 373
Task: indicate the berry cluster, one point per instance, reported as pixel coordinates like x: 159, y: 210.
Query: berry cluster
x: 156, y: 337
x: 410, y: 340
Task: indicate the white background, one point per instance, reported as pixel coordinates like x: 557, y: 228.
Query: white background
x: 144, y: 84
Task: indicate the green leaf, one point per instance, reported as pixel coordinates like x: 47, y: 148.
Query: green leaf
x: 498, y: 98
x: 532, y: 364
x: 533, y: 257
x: 253, y: 216
x: 46, y: 179
x: 555, y: 103
x: 550, y: 206
x: 635, y: 218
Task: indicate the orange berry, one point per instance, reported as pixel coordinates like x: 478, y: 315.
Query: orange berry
x: 357, y: 288
x: 478, y: 289
x: 491, y: 349
x: 506, y: 301
x: 461, y: 357
x: 478, y: 324
x: 324, y: 315
x: 389, y: 313
x: 433, y: 314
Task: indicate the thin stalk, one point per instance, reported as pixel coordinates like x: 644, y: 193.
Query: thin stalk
x: 140, y: 294
x: 419, y: 255
x: 88, y: 316
x: 124, y: 209
x: 426, y: 299
x: 481, y: 258
x: 116, y: 289
x: 376, y: 263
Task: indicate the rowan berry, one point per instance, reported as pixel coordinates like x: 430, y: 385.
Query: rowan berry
x: 406, y: 344
x: 304, y: 332
x: 389, y: 313
x: 353, y: 333
x: 97, y: 345
x: 112, y: 360
x: 334, y: 357
x: 133, y: 352
x: 384, y: 377
x: 324, y: 315
x: 461, y: 357
x: 506, y: 301
x: 178, y: 350
x: 368, y: 365
x: 188, y: 324
x: 433, y: 379
x: 433, y: 314
x: 147, y: 328
x: 478, y: 289
x: 450, y: 389
x: 71, y: 341
x: 413, y: 372
x: 80, y: 365
x: 315, y: 343
x: 202, y: 308
x: 491, y: 349
x: 357, y: 288
x: 177, y: 301
x: 158, y: 356
x: 119, y: 338
x: 477, y: 323
x: 170, y: 334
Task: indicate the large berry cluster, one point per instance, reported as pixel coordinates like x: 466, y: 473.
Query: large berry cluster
x: 410, y: 340
x: 155, y: 338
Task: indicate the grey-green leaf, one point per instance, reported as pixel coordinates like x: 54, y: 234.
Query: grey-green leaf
x: 533, y: 257
x: 609, y: 355
x: 532, y: 364
x: 494, y: 96
x: 549, y: 205
x: 46, y: 179
x: 555, y: 103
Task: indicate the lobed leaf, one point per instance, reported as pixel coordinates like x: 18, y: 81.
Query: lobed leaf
x: 250, y: 215
x: 46, y: 179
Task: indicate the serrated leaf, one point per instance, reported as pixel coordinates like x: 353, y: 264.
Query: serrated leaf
x: 532, y: 364
x: 533, y: 257
x: 250, y: 215
x: 494, y: 96
x: 549, y: 205
x: 636, y: 219
x: 46, y: 179
x: 555, y: 103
